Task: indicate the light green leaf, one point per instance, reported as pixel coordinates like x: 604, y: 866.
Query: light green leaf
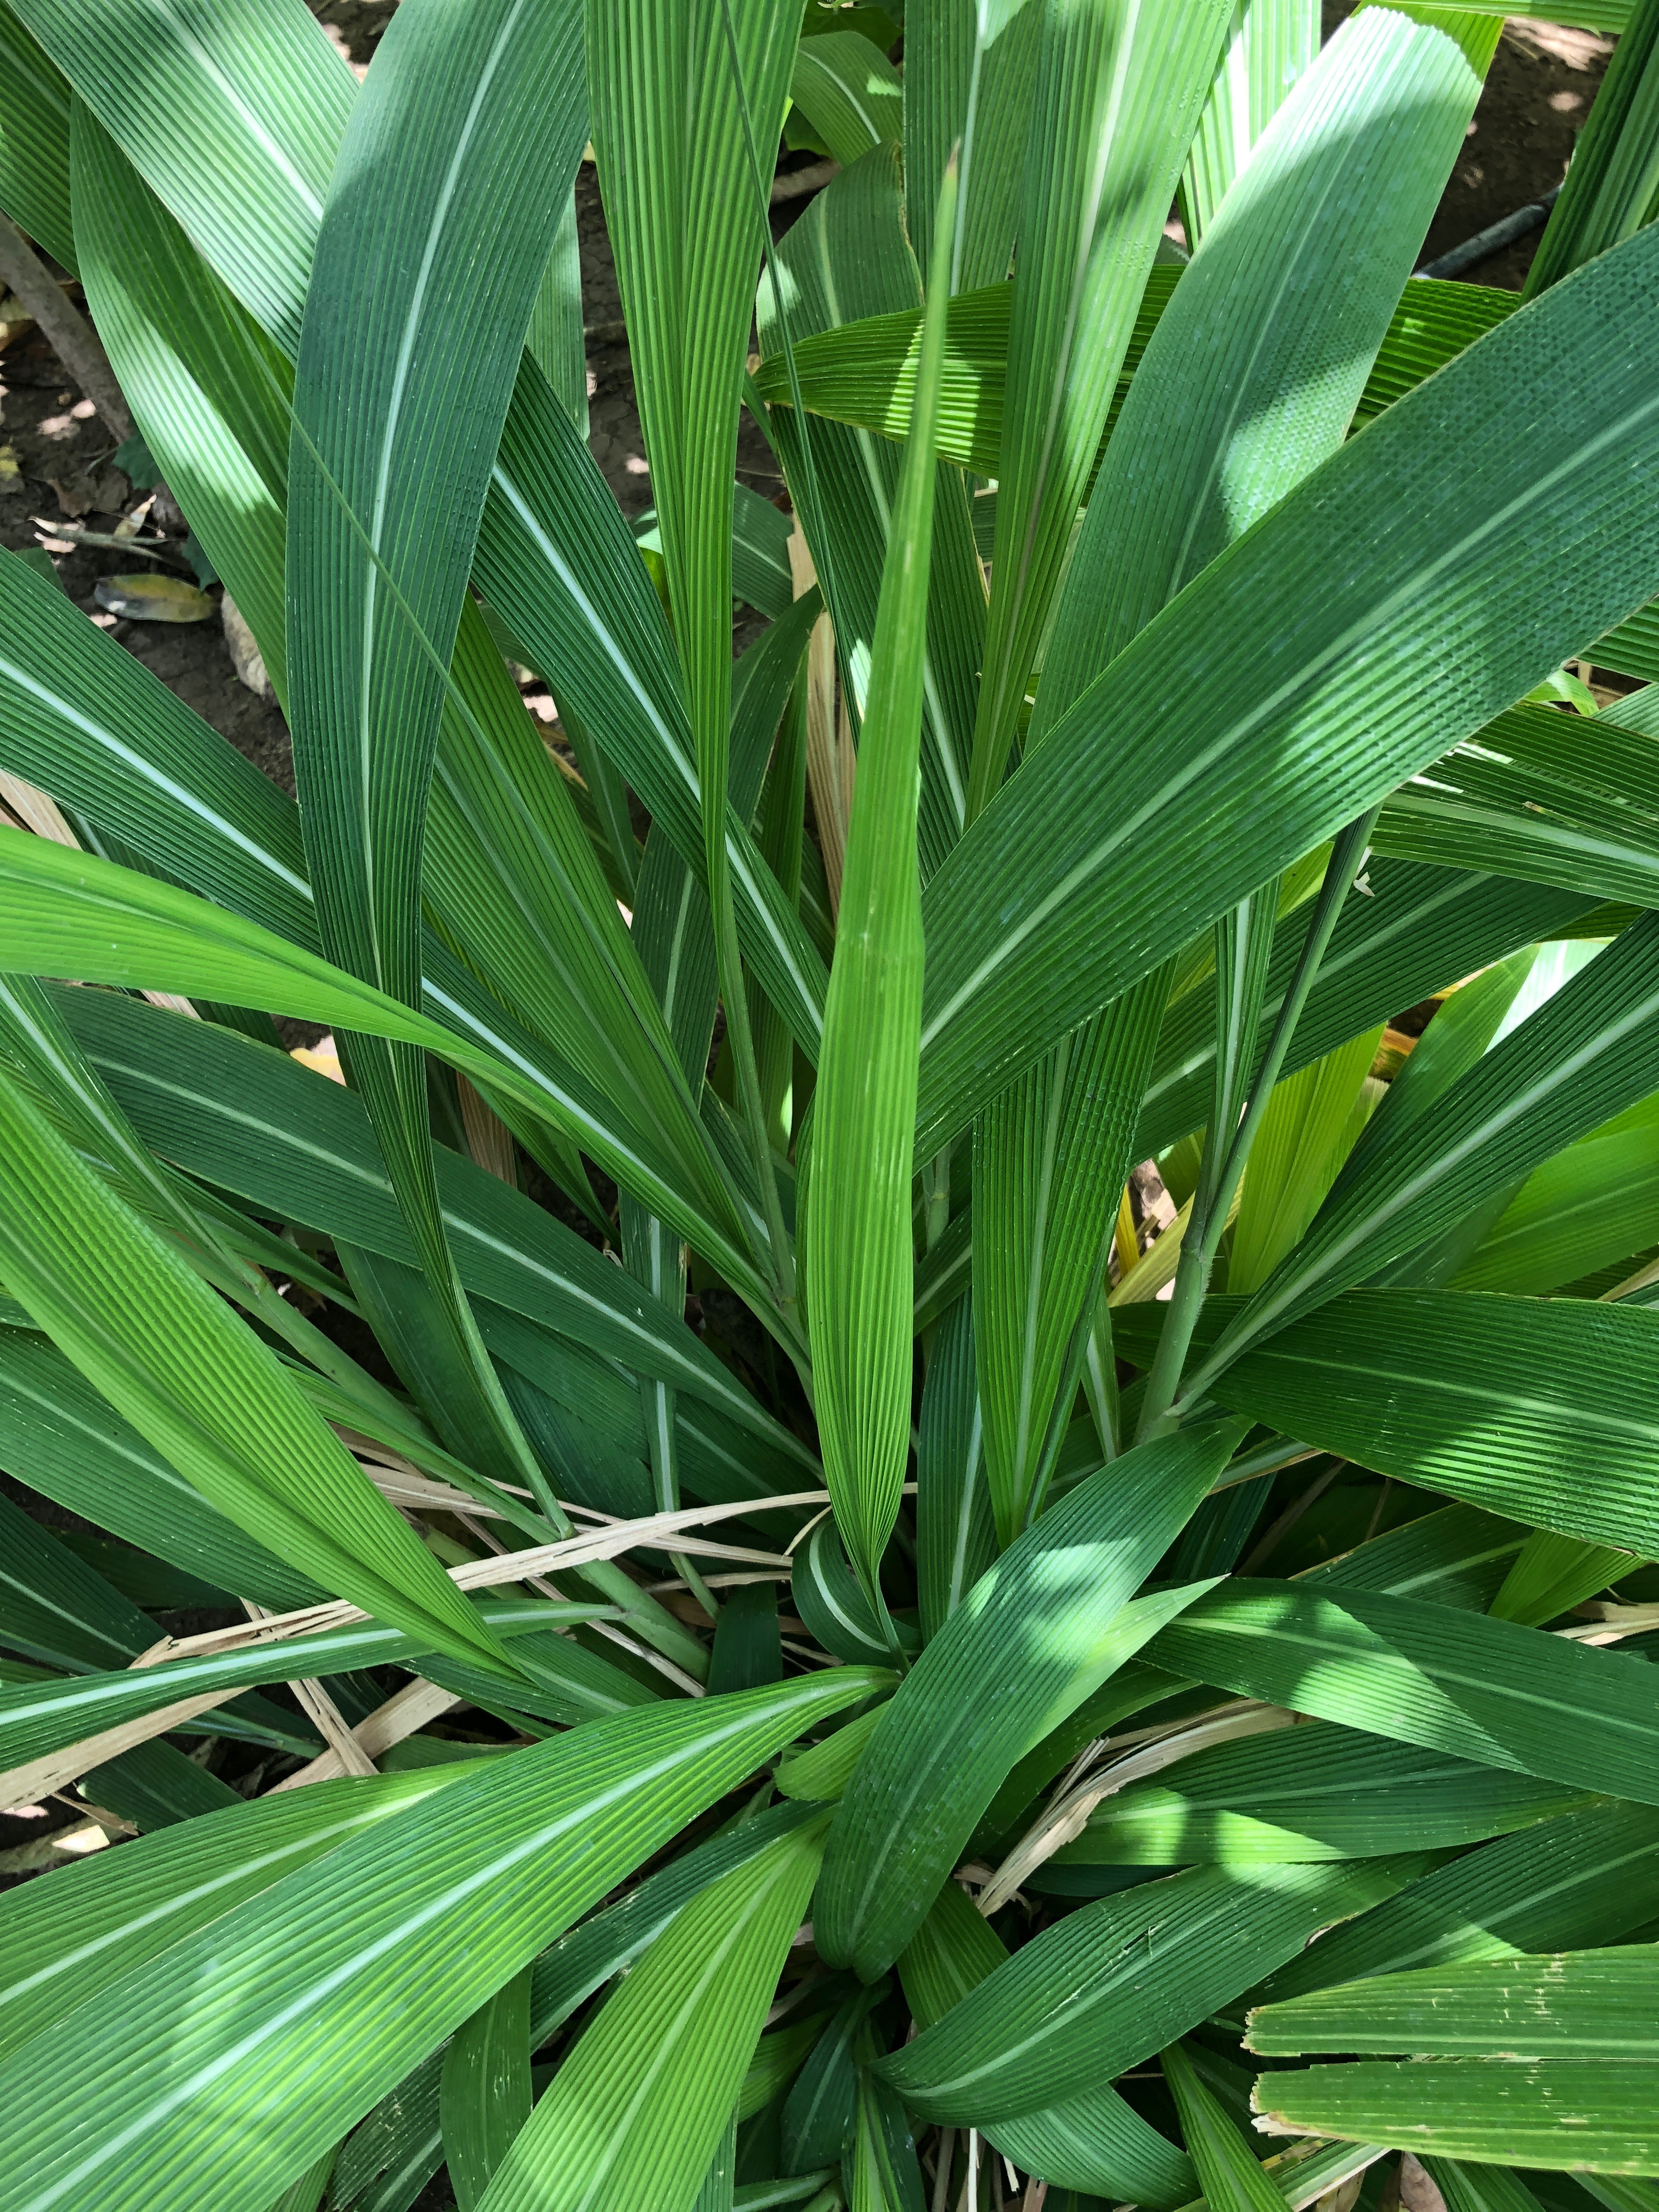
x: 1315, y: 1792
x: 1450, y: 1680
x: 1420, y: 930
x: 951, y: 1953
x: 1593, y: 1204
x: 1305, y: 1134
x: 1582, y: 2004
x: 1551, y: 1574
x: 66, y: 1941
x: 48, y: 899
x: 636, y: 2112
x: 1546, y: 2061
x: 520, y: 1847
x: 1270, y: 44
x: 1589, y: 1878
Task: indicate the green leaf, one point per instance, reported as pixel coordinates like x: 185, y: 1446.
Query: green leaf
x: 212, y: 1400
x: 1421, y: 930
x: 79, y: 1452
x: 385, y: 2161
x: 556, y: 559
x: 1591, y: 1051
x: 48, y: 898
x: 823, y: 1772
x: 1315, y: 1792
x: 198, y: 139
x: 1098, y: 2143
x: 254, y: 1121
x: 1110, y: 122
x: 1542, y: 2061
x: 849, y: 92
x: 306, y: 2193
x: 1552, y: 798
x: 820, y: 2111
x: 1481, y: 1689
x: 951, y: 1953
x: 858, y: 1244
x: 36, y: 1718
x: 1230, y: 2171
x: 636, y: 2112
x: 1080, y: 2001
x: 956, y: 1536
x: 848, y: 256
x: 1270, y: 44
x: 568, y: 1971
x: 1481, y: 1397
x: 1584, y: 2004
x: 67, y: 1941
x: 1218, y: 713
x: 968, y: 72
x: 1611, y: 193
x: 521, y: 1847
x: 208, y: 389
x: 1257, y: 365
x: 1305, y: 1134
x: 834, y: 1605
x: 1591, y: 1205
x: 407, y: 360
x: 1553, y: 1573
x: 1038, y: 1631
x: 864, y: 374
x: 483, y: 2100
x: 880, y: 2172
x: 90, y: 724
x: 34, y: 144
x: 1050, y: 1156
x: 1588, y: 1878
